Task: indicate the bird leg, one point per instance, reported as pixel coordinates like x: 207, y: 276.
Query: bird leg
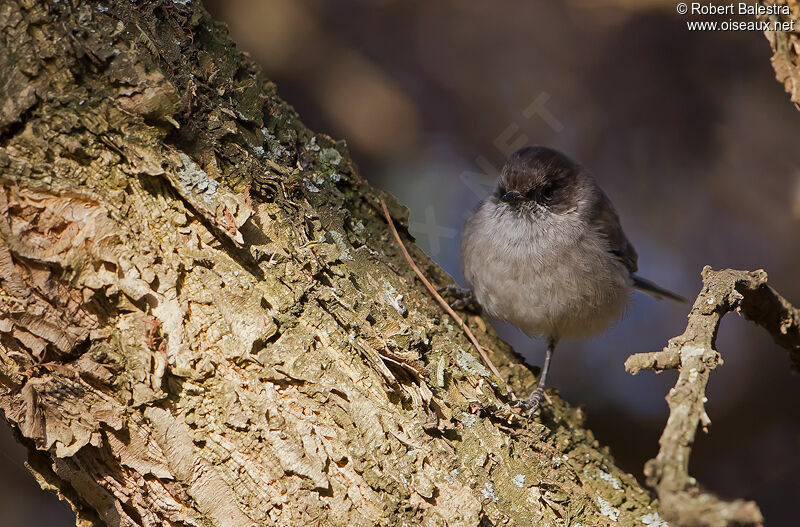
x: 461, y: 299
x: 532, y: 403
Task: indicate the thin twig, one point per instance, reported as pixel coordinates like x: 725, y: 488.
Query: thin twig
x: 437, y: 296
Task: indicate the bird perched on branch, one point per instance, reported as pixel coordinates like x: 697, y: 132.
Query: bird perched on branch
x: 547, y: 253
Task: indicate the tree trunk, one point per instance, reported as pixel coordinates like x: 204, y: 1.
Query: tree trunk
x: 784, y: 24
x: 205, y: 320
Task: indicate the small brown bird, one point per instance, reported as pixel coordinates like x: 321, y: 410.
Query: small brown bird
x: 546, y: 252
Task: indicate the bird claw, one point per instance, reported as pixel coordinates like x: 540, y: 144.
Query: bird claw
x: 532, y: 403
x: 455, y: 291
x: 460, y: 299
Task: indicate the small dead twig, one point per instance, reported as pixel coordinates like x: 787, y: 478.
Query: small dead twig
x: 438, y: 297
x: 683, y: 503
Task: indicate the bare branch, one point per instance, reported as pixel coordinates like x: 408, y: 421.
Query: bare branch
x: 693, y: 353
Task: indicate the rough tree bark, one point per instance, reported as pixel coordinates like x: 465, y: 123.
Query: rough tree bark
x: 205, y: 321
x: 785, y: 45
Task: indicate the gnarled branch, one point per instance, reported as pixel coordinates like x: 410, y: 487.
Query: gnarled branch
x: 693, y: 353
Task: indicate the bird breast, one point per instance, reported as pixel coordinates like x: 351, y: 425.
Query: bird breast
x: 547, y: 274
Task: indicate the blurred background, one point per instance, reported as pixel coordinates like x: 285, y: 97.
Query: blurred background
x: 689, y: 133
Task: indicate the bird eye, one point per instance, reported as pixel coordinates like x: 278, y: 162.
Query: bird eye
x: 547, y: 193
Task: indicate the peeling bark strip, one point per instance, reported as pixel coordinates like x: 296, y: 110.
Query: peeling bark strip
x: 486, y: 360
x: 198, y: 306
x: 693, y: 353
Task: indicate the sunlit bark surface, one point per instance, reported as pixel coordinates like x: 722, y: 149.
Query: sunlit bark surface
x: 203, y: 317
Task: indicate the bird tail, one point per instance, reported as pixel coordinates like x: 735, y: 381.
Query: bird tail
x: 646, y: 286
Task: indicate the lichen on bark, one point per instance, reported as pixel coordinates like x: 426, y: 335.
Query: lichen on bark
x: 204, y: 319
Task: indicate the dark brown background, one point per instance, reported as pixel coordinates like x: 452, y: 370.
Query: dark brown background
x: 688, y: 132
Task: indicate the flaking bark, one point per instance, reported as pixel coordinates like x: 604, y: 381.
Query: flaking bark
x: 785, y: 47
x: 204, y: 320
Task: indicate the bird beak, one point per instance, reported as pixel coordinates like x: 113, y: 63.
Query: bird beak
x: 510, y: 196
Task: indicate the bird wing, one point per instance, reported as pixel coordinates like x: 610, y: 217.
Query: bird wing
x: 606, y: 221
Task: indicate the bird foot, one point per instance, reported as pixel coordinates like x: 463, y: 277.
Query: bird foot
x: 532, y: 403
x: 460, y: 299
